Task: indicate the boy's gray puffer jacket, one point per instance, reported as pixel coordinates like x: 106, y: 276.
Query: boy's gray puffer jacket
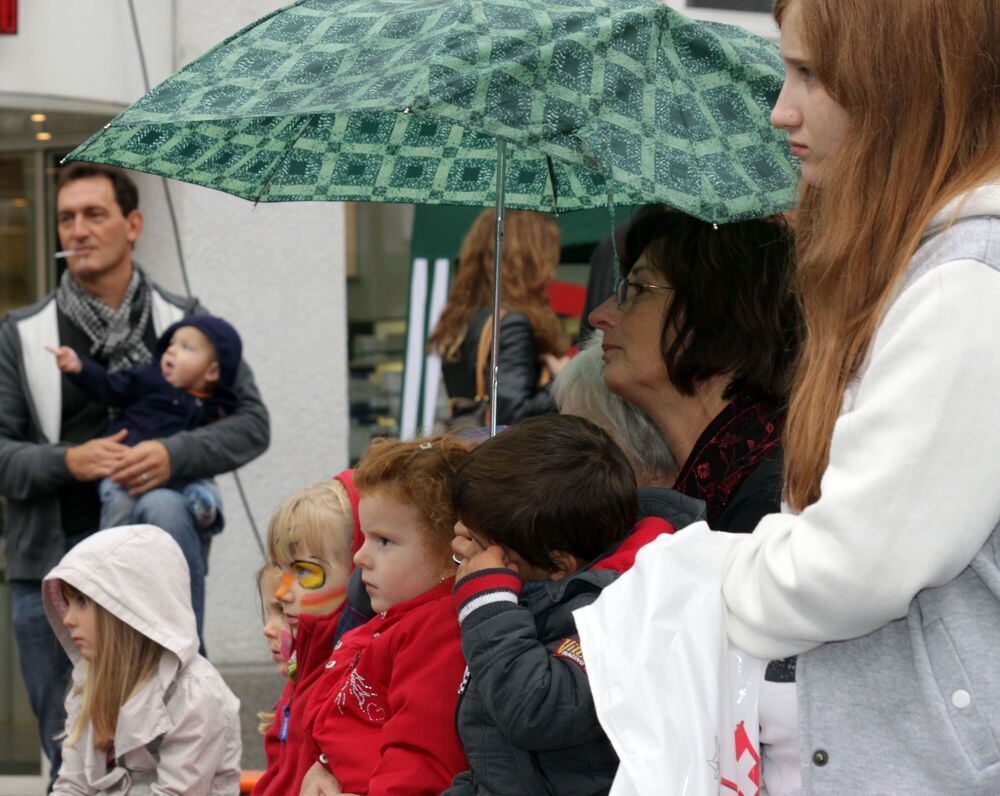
x: 526, y: 716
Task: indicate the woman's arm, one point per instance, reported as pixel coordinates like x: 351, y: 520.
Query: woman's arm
x: 911, y: 491
x: 518, y: 394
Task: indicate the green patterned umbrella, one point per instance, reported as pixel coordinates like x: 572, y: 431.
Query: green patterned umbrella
x: 405, y: 101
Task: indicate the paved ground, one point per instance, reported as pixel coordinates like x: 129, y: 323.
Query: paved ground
x: 257, y: 688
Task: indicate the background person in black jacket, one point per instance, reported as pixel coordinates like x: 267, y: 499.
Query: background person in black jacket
x: 702, y: 336
x: 529, y: 329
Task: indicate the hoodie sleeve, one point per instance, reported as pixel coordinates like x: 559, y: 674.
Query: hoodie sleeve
x: 228, y: 443
x: 200, y: 754
x: 538, y: 693
x: 910, y: 492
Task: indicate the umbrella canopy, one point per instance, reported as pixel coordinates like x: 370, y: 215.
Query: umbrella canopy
x: 621, y: 101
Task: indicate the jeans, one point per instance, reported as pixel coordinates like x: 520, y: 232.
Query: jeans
x: 201, y: 497
x: 45, y: 666
x: 167, y: 509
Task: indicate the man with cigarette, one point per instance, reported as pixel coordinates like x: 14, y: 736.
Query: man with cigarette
x: 53, y: 448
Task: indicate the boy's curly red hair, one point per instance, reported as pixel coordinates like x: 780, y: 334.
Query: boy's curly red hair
x: 420, y: 473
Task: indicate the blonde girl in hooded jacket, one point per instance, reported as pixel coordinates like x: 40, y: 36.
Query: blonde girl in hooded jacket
x: 146, y: 714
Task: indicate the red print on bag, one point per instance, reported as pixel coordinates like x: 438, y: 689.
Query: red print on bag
x: 748, y: 765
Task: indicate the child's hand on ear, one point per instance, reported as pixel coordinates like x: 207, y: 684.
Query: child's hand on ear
x: 475, y: 558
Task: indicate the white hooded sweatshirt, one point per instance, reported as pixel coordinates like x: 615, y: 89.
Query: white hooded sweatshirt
x: 180, y: 732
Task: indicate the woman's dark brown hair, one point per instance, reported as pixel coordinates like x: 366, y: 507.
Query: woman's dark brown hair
x: 550, y: 483
x: 731, y: 310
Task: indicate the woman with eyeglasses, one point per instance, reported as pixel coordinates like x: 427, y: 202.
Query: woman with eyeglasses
x: 701, y: 337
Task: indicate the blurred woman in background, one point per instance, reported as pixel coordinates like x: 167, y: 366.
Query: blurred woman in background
x: 529, y: 329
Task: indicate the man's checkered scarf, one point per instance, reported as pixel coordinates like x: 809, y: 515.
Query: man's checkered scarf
x: 112, y: 336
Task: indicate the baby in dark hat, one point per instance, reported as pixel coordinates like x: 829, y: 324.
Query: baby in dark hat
x: 189, y: 386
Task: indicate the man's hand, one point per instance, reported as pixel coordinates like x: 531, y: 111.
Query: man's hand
x: 475, y: 558
x: 95, y: 459
x: 320, y: 782
x: 142, y: 467
x: 66, y: 358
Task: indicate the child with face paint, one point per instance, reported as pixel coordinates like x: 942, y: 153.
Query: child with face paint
x: 276, y: 632
x: 146, y: 713
x: 382, y: 716
x: 311, y: 539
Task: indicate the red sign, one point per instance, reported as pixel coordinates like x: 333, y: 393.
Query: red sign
x: 8, y: 16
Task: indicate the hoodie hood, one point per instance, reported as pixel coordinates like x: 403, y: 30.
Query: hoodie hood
x: 224, y: 338
x: 346, y: 478
x: 136, y: 572
x: 981, y: 201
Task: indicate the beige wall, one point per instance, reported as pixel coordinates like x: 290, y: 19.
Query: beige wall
x: 275, y: 271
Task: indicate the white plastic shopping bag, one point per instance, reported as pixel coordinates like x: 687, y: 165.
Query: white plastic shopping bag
x: 678, y: 703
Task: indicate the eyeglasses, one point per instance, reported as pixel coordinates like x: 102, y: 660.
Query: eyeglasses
x: 628, y: 289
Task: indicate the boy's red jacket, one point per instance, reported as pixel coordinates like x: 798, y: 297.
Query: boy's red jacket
x: 384, y: 712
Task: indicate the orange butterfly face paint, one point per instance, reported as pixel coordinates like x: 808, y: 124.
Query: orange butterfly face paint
x: 311, y: 585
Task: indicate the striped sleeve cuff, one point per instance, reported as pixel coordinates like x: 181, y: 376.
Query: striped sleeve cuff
x: 496, y: 589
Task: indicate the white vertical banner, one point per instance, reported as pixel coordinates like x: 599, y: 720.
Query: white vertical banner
x: 416, y: 336
x: 432, y: 362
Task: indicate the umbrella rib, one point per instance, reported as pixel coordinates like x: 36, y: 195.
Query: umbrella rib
x: 552, y: 182
x: 309, y: 120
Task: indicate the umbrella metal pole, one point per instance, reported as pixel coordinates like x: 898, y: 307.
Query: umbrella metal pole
x: 497, y: 260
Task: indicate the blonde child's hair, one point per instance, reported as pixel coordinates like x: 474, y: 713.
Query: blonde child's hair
x: 420, y: 473
x: 318, y: 517
x: 124, y: 660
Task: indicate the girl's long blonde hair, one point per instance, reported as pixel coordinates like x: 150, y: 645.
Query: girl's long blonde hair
x: 920, y: 81
x: 124, y: 661
x: 531, y: 249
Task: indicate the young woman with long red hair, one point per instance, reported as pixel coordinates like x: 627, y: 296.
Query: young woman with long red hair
x: 529, y: 329
x: 882, y: 573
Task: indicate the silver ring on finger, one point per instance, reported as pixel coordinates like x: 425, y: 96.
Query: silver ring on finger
x: 145, y: 477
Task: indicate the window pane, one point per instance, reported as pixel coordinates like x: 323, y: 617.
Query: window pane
x: 16, y: 235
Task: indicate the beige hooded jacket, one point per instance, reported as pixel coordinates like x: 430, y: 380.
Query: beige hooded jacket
x: 180, y: 733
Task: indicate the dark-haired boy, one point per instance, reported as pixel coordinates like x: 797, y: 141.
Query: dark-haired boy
x: 546, y: 512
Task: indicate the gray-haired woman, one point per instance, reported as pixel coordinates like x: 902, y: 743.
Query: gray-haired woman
x: 579, y: 389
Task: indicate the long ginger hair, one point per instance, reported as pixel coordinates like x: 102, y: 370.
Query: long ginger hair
x: 123, y: 662
x: 530, y: 255
x: 920, y: 82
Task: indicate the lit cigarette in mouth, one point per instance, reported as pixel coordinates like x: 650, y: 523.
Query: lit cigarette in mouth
x: 65, y: 253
